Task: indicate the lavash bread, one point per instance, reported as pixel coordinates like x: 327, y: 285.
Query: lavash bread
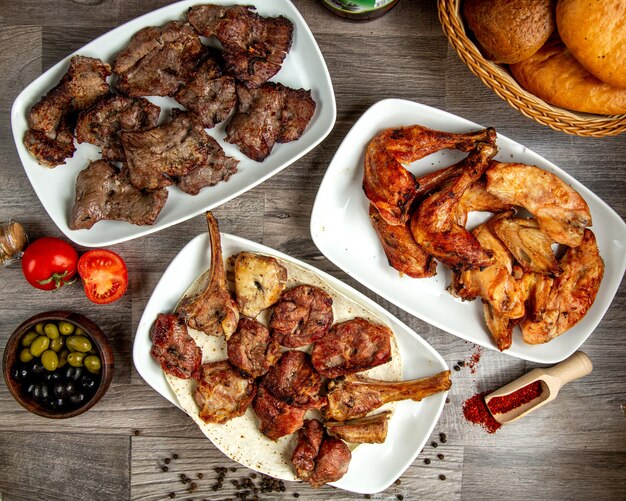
x: 510, y: 31
x: 555, y: 75
x: 595, y: 32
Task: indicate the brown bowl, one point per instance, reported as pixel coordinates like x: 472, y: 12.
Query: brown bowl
x: 98, y: 339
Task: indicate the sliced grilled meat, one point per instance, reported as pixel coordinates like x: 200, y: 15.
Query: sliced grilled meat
x: 173, y: 348
x: 223, y: 393
x: 318, y: 458
x: 251, y: 349
x: 352, y: 346
x: 158, y: 60
x: 209, y: 94
x: 277, y: 418
x: 174, y: 149
x: 254, y: 46
x: 294, y: 381
x: 102, y: 123
x: 52, y: 149
x: 82, y: 85
x: 104, y: 193
x: 302, y: 316
x: 215, y: 168
x: 272, y: 113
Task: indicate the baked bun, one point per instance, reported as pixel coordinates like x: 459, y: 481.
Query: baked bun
x: 595, y: 32
x: 554, y: 75
x: 510, y: 31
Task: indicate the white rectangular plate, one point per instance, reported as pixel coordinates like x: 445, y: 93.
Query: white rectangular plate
x: 304, y: 67
x: 374, y: 467
x: 341, y: 229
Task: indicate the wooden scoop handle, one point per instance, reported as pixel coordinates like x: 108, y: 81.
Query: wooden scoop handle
x: 574, y: 367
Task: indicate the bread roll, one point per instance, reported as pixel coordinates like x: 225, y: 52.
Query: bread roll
x: 554, y: 75
x: 595, y: 32
x: 510, y: 31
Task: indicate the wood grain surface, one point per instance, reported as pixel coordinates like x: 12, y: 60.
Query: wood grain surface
x: 574, y: 448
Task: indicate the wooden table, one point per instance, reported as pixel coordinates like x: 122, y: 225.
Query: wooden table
x: 572, y: 449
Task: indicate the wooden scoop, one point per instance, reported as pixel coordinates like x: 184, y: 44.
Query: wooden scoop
x: 552, y: 379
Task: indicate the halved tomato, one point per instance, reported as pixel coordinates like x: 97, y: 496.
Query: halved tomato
x: 104, y: 275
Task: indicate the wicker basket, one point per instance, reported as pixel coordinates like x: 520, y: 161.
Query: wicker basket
x: 498, y: 79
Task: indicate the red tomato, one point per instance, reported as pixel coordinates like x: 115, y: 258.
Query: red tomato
x: 104, y: 275
x: 49, y: 263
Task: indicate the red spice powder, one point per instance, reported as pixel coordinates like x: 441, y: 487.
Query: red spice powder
x: 502, y: 405
x: 475, y: 410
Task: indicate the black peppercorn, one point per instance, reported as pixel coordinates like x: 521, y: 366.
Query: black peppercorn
x: 442, y: 477
x: 440, y: 456
x: 427, y: 461
x: 434, y: 444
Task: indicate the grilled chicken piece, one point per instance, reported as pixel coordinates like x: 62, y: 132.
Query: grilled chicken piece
x: 254, y: 46
x: 318, y: 458
x: 477, y: 198
x: 388, y: 184
x: 302, y: 316
x: 173, y: 348
x: 52, y: 149
x: 571, y: 295
x: 434, y: 225
x: 403, y: 253
x: 354, y: 396
x: 294, y: 381
x: 531, y: 247
x: 102, y: 123
x: 277, y: 418
x: 251, y: 349
x: 103, y: 193
x: 82, y: 85
x: 222, y: 392
x: 209, y: 94
x: 259, y: 282
x: 158, y: 60
x: 560, y: 210
x: 213, y: 310
x: 368, y: 430
x: 352, y: 346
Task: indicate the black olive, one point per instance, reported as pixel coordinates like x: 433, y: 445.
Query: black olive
x: 37, y: 368
x: 78, y: 373
x: 36, y: 393
x: 52, y: 377
x: 58, y: 390
x: 57, y: 403
x: 87, y: 382
x: 77, y: 398
x: 45, y: 392
x: 30, y: 388
x: 68, y: 388
x: 68, y: 373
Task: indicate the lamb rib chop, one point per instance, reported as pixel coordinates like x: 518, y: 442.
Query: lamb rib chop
x: 367, y: 430
x: 102, y: 123
x: 209, y: 94
x: 354, y: 396
x: 318, y: 458
x: 251, y: 349
x: 158, y: 60
x: 104, y: 193
x: 223, y: 393
x: 254, y: 46
x: 276, y: 417
x: 213, y: 310
x: 173, y: 348
x: 352, y: 346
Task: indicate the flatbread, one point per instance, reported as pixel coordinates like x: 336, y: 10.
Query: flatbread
x: 240, y: 438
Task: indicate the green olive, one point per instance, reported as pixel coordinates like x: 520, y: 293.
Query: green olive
x: 78, y: 343
x: 66, y: 328
x: 28, y: 338
x: 63, y: 358
x: 41, y: 344
x: 75, y: 358
x: 92, y: 364
x: 39, y: 329
x: 57, y: 344
x: 26, y: 355
x: 49, y: 360
x: 51, y: 330
x: 79, y: 332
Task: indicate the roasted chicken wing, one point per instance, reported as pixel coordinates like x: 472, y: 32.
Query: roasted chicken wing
x: 434, y: 225
x: 353, y: 397
x: 387, y: 183
x: 560, y: 210
x: 259, y: 282
x: 213, y: 310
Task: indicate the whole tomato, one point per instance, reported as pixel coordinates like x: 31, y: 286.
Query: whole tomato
x: 49, y: 263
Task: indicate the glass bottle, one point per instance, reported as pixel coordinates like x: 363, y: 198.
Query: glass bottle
x: 360, y: 10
